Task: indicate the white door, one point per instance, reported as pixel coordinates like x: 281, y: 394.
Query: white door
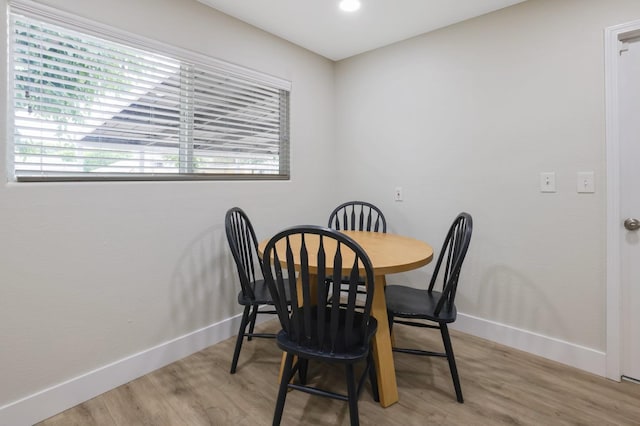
x: 629, y: 107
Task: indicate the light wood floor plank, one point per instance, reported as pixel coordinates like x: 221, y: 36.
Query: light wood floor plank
x: 501, y: 386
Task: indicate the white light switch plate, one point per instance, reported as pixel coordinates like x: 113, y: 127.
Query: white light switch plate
x: 548, y: 182
x: 585, y: 182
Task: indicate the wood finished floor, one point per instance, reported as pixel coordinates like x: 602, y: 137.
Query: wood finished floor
x: 500, y: 385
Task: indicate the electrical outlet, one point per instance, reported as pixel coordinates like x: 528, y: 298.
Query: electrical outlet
x: 397, y: 195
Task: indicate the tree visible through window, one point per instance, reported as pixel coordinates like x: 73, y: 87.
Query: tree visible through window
x: 86, y: 107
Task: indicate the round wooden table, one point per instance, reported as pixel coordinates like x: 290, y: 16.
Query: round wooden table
x: 389, y: 253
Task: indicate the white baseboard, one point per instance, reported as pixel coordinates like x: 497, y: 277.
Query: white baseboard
x: 554, y: 349
x: 51, y: 401
x: 48, y: 402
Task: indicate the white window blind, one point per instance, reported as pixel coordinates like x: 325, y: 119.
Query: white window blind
x: 86, y: 107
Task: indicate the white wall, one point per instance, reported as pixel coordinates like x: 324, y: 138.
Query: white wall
x: 466, y: 118
x: 91, y: 273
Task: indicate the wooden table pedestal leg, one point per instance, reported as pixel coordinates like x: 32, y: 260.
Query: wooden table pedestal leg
x: 382, y: 352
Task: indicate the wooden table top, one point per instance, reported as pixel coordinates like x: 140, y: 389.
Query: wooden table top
x: 389, y: 253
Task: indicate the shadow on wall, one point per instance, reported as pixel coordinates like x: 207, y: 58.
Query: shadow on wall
x: 508, y: 297
x: 203, y: 287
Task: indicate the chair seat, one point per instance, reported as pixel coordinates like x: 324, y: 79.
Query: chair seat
x: 343, y: 352
x: 409, y: 302
x: 261, y: 293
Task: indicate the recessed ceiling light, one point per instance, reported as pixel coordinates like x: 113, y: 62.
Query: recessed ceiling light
x: 350, y: 5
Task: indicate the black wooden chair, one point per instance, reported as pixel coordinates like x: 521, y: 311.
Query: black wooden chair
x: 253, y: 289
x: 431, y: 308
x: 315, y: 328
x: 357, y: 216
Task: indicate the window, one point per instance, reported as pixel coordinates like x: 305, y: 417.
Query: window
x: 88, y: 106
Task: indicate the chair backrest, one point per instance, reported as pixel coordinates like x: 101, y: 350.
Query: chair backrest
x: 312, y: 254
x: 244, y: 248
x: 357, y: 216
x: 450, y: 260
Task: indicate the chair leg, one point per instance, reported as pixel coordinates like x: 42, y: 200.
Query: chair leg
x: 282, y: 392
x: 252, y: 320
x: 352, y: 394
x: 303, y: 367
x: 452, y: 361
x: 373, y: 378
x: 240, y: 338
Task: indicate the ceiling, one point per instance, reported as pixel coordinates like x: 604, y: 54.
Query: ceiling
x: 320, y: 26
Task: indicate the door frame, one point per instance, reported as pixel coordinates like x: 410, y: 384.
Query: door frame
x: 612, y: 36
